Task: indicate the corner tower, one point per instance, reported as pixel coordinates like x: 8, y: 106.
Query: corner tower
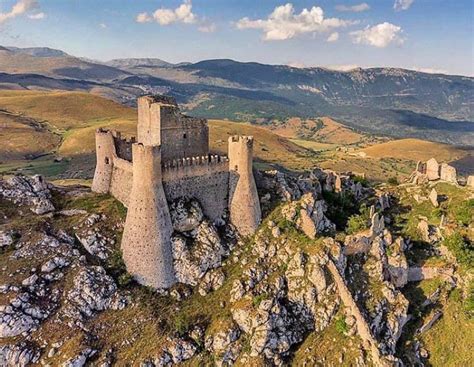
x: 105, y: 152
x: 244, y: 205
x: 146, y: 241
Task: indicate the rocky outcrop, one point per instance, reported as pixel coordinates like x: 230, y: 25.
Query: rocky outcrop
x: 33, y: 192
x: 93, y: 290
x: 434, y: 198
x: 308, y: 215
x: 17, y: 355
x: 186, y: 215
x: 448, y: 173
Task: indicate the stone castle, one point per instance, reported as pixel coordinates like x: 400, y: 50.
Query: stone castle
x: 169, y: 160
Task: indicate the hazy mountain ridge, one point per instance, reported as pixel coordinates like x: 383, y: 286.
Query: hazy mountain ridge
x: 389, y: 101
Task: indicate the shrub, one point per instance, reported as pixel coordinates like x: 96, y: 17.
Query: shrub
x: 181, y: 324
x: 358, y: 222
x: 393, y: 181
x: 341, y: 325
x: 258, y: 299
x: 464, y: 213
x: 461, y: 249
x: 363, y: 181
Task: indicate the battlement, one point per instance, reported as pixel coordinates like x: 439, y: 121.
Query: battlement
x: 159, y: 99
x: 241, y: 139
x: 195, y: 161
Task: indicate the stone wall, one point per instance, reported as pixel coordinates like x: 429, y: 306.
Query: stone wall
x: 161, y: 123
x: 203, y: 178
x: 122, y: 177
x: 123, y: 147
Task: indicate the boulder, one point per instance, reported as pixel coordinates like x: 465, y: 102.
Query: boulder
x: 470, y: 181
x: 17, y: 355
x: 6, y: 239
x: 432, y: 169
x: 434, y: 197
x: 448, y: 173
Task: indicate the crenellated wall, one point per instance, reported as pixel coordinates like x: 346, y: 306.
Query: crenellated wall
x: 203, y: 178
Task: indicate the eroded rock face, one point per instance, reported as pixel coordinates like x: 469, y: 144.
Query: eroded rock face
x: 186, y: 215
x: 428, y: 232
x: 308, y: 215
x: 33, y: 192
x: 223, y: 345
x: 194, y: 255
x: 93, y: 290
x: 434, y: 198
x: 448, y: 173
x: 17, y: 355
x: 6, y: 239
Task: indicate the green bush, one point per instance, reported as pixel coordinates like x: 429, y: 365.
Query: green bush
x: 461, y: 249
x: 181, y: 324
x: 393, y: 181
x: 464, y: 212
x: 358, y: 222
x: 341, y: 325
x: 363, y: 181
x: 258, y: 299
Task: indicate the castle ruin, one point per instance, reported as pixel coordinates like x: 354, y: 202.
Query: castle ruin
x: 169, y: 160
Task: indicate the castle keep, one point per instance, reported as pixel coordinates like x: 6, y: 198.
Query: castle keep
x: 170, y: 159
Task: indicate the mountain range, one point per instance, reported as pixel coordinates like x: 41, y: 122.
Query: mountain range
x: 382, y: 101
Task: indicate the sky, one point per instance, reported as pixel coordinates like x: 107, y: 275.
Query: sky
x: 425, y: 35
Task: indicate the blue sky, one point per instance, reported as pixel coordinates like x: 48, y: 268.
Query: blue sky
x: 434, y: 35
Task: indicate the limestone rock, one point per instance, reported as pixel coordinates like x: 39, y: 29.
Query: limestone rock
x: 186, y: 215
x: 94, y: 243
x: 223, y: 345
x: 6, y: 239
x: 432, y: 169
x: 194, y: 256
x: 377, y: 224
x: 448, y: 173
x: 81, y: 359
x: 428, y: 232
x: 470, y: 181
x: 434, y: 197
x: 93, y: 290
x: 30, y: 191
x: 397, y: 264
x: 308, y: 215
x: 17, y: 355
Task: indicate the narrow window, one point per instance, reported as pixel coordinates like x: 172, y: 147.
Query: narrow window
x: 184, y: 136
x: 107, y: 160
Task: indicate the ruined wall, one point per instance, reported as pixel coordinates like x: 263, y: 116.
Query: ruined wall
x: 161, y: 123
x: 244, y: 205
x: 123, y: 147
x: 204, y: 178
x: 146, y: 241
x: 122, y: 179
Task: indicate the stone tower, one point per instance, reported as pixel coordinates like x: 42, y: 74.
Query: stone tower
x: 244, y: 205
x: 146, y: 242
x: 105, y: 149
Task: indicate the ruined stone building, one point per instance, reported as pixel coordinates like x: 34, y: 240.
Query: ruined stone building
x: 170, y: 159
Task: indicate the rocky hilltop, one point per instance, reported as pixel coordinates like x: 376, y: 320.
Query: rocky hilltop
x: 338, y: 273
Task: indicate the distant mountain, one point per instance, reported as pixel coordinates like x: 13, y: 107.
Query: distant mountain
x: 138, y: 62
x: 38, y: 51
x: 383, y: 101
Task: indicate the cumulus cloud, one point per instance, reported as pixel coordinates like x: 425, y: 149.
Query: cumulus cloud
x: 380, y: 35
x: 182, y: 14
x: 283, y: 23
x: 103, y: 25
x: 400, y: 5
x: 21, y: 7
x: 353, y: 8
x: 333, y: 37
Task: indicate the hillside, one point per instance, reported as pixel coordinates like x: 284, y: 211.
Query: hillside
x: 381, y: 101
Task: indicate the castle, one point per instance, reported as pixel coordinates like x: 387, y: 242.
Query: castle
x: 170, y: 159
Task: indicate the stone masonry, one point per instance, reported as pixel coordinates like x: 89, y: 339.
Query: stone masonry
x: 171, y: 160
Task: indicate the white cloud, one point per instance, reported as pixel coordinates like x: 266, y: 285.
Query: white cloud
x: 37, y: 16
x: 21, y: 7
x: 400, y: 5
x: 348, y: 67
x: 333, y: 37
x: 380, y: 35
x: 103, y: 25
x: 353, y: 8
x: 182, y: 14
x: 283, y: 23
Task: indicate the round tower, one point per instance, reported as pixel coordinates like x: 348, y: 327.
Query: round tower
x: 146, y: 241
x: 244, y: 205
x: 105, y: 151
